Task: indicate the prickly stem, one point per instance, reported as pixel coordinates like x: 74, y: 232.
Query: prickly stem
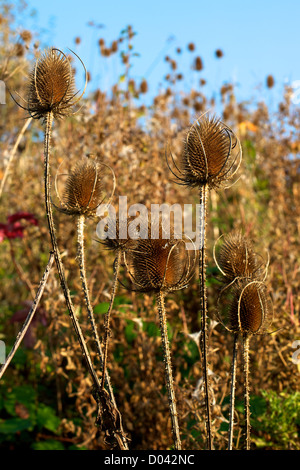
x: 232, y: 390
x: 168, y: 369
x: 203, y: 307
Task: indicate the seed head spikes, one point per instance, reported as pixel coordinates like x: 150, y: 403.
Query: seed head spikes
x: 243, y: 275
x: 237, y: 259
x: 250, y: 309
x: 51, y: 86
x: 160, y: 265
x: 211, y: 154
x: 83, y: 192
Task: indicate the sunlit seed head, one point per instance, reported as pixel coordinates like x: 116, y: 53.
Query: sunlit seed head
x: 211, y: 153
x: 250, y: 309
x: 51, y: 86
x: 84, y: 190
x: 237, y: 258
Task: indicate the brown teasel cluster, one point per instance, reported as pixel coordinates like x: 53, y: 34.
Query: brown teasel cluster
x: 243, y: 274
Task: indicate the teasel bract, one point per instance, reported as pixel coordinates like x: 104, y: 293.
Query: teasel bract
x: 211, y: 155
x: 52, y: 95
x: 160, y: 266
x: 249, y: 309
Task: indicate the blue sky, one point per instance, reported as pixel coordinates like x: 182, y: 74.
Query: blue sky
x: 258, y: 38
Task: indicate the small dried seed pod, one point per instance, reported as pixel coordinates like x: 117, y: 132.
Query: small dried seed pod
x: 250, y: 310
x: 237, y: 258
x: 83, y: 189
x: 51, y: 86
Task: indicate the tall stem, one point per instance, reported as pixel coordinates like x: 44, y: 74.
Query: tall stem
x: 59, y: 264
x: 168, y: 368
x: 246, y: 341
x: 108, y: 314
x: 232, y: 391
x: 81, y: 264
x: 203, y: 307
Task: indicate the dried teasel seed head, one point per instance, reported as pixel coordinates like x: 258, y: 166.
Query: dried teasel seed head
x: 251, y: 309
x: 26, y: 35
x: 211, y: 153
x: 198, y: 65
x: 143, y: 86
x: 270, y: 81
x: 237, y: 258
x: 191, y: 46
x: 157, y: 265
x: 51, y: 86
x: 84, y: 189
x: 160, y: 264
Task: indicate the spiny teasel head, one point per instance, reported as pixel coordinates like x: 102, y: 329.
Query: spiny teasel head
x: 51, y: 86
x: 237, y: 259
x: 83, y: 192
x: 250, y: 310
x: 211, y: 154
x: 160, y: 264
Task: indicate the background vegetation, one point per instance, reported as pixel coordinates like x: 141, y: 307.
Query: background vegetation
x: 45, y: 395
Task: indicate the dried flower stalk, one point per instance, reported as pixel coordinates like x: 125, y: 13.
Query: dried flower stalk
x: 211, y: 156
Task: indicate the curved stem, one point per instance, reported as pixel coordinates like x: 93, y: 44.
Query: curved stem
x: 203, y: 307
x: 232, y: 391
x: 59, y: 264
x: 168, y: 368
x: 246, y: 341
x: 108, y: 314
x: 30, y: 315
x: 81, y: 264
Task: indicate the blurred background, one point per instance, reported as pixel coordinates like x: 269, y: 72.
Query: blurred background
x: 152, y: 68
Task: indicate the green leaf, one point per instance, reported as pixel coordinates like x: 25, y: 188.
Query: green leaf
x: 130, y: 334
x: 151, y: 328
x: 25, y: 395
x: 48, y: 445
x: 13, y: 425
x: 46, y: 418
x: 101, y: 308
